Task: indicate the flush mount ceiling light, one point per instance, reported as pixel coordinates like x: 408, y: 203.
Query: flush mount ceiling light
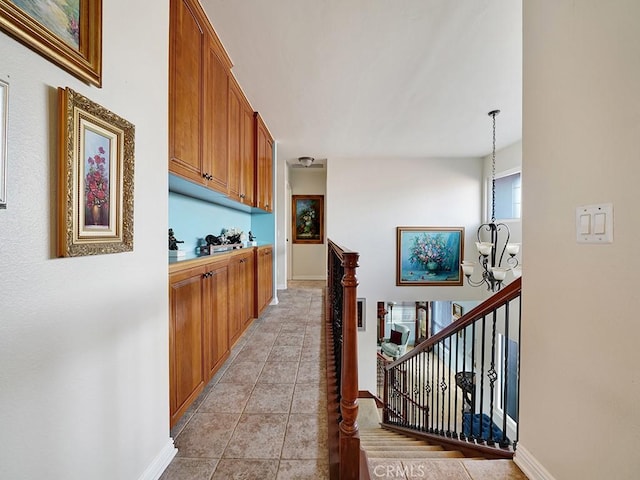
x: 305, y: 161
x: 491, y: 250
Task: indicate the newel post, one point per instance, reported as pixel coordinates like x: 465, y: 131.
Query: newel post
x: 349, y: 438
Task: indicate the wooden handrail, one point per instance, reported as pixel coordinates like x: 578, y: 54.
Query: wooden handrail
x: 349, y: 440
x: 440, y: 365
x: 505, y: 295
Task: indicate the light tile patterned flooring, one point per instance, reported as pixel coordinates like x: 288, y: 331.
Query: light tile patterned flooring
x: 263, y: 415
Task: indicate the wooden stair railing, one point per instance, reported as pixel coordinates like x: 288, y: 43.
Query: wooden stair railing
x: 342, y: 363
x: 421, y: 389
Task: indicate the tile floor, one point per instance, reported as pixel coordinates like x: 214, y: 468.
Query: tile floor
x: 263, y: 415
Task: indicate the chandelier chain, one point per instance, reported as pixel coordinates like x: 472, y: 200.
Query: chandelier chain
x: 493, y: 168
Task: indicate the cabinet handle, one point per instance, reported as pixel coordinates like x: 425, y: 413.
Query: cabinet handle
x: 207, y: 176
x: 242, y: 195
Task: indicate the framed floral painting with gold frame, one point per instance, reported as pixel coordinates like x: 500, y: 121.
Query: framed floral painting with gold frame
x: 95, y: 210
x: 429, y: 255
x: 67, y: 32
x: 4, y: 120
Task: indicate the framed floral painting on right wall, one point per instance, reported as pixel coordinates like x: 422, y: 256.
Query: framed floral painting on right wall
x: 429, y: 255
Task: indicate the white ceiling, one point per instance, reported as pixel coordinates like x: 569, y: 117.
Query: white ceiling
x: 378, y: 78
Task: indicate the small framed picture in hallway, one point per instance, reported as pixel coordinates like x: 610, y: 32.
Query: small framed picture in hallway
x: 307, y: 222
x: 95, y: 212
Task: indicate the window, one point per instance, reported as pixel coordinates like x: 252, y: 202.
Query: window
x: 508, y: 197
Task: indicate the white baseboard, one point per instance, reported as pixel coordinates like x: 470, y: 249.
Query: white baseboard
x: 161, y: 462
x: 529, y: 465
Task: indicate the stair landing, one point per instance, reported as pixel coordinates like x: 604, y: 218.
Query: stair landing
x: 392, y: 455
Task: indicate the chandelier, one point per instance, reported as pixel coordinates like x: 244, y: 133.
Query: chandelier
x: 493, y: 241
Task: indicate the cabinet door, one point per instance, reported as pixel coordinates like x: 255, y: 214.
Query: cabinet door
x: 264, y: 154
x: 216, y: 316
x: 248, y: 153
x: 185, y: 91
x: 215, y: 129
x: 185, y: 340
x: 249, y: 287
x: 264, y: 281
x: 235, y: 141
x: 236, y: 288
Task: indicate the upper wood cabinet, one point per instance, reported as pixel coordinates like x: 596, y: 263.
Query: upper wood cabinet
x: 241, y: 146
x: 215, y: 120
x: 215, y: 139
x: 248, y: 154
x: 199, y: 72
x: 264, y: 161
x: 186, y: 50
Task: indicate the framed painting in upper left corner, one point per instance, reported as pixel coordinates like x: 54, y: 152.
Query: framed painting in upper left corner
x: 4, y: 120
x: 66, y: 32
x: 95, y: 183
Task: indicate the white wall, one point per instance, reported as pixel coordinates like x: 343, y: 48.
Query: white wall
x: 391, y: 193
x: 283, y: 222
x: 308, y: 261
x: 581, y: 145
x: 83, y: 341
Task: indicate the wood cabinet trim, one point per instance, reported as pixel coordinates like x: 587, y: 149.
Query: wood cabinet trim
x: 222, y: 53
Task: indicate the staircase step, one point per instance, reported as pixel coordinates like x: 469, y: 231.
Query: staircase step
x: 402, y: 448
x: 396, y: 443
x: 414, y: 455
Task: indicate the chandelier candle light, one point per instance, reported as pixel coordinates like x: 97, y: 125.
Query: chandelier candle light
x: 493, y: 272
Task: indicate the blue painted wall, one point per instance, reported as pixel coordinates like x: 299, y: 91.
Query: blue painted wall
x: 193, y: 219
x: 263, y: 227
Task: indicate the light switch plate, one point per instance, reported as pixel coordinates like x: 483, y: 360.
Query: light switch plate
x: 599, y: 218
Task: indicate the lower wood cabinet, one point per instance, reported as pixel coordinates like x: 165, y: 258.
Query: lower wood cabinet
x: 241, y: 293
x: 264, y: 278
x: 215, y: 288
x: 186, y: 369
x: 211, y: 303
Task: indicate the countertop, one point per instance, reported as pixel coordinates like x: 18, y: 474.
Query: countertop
x: 190, y: 259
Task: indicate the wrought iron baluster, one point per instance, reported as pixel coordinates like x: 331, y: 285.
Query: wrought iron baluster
x: 449, y: 390
x: 455, y: 390
x: 443, y: 388
x: 515, y: 440
x: 427, y: 391
x: 505, y: 383
x: 492, y: 375
x: 434, y: 406
x: 462, y: 435
x: 479, y: 438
